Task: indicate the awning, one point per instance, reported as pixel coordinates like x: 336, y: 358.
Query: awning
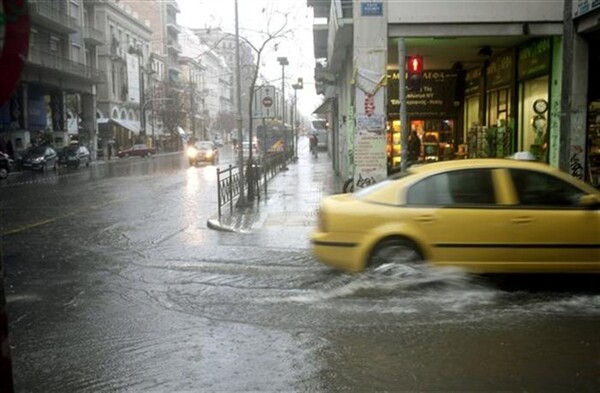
x: 131, y: 125
x: 181, y: 132
x: 325, y: 107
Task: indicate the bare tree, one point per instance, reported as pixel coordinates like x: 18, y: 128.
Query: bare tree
x: 276, y: 30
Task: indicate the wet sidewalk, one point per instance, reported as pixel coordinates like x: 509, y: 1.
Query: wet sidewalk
x: 292, y: 200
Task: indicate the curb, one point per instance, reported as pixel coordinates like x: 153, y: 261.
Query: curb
x: 215, y: 224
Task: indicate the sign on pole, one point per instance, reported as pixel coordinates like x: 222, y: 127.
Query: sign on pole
x: 264, y: 102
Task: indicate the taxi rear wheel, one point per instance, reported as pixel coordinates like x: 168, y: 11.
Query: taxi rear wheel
x: 395, y: 251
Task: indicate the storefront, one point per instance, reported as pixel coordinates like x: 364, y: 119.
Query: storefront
x: 593, y: 118
x: 433, y: 105
x: 584, y: 153
x: 496, y: 137
x: 534, y: 66
x: 474, y: 84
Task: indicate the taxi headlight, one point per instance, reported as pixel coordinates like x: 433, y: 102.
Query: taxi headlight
x: 191, y: 152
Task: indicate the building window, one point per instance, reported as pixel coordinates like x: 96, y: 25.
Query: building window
x: 113, y: 77
x: 76, y: 53
x: 498, y: 106
x: 74, y: 10
x: 54, y: 44
x: 32, y: 38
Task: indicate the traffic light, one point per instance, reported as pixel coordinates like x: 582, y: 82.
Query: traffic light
x: 414, y: 65
x: 414, y: 72
x: 300, y: 83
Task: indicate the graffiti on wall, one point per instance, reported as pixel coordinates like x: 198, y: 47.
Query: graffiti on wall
x: 576, y: 162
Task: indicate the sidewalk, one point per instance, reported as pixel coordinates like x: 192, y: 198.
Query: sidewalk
x: 293, y: 196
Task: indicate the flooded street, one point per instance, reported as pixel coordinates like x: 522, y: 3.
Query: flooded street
x: 114, y: 283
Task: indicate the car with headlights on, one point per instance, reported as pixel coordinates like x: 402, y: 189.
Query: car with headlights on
x: 482, y: 215
x: 137, y: 150
x: 202, y: 151
x: 74, y: 156
x: 40, y: 158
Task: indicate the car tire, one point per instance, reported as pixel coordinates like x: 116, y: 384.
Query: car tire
x: 394, y: 251
x: 3, y: 173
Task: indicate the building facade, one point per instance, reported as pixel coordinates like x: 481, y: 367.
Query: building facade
x: 193, y: 79
x: 224, y: 44
x: 583, y: 153
x: 125, y: 61
x: 492, y: 81
x: 56, y: 97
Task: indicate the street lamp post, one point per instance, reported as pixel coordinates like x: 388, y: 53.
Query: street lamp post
x: 297, y: 86
x: 283, y: 61
x: 238, y: 87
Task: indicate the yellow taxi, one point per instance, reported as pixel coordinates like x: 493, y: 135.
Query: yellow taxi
x: 483, y: 215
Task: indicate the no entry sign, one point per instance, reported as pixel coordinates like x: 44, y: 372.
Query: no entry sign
x: 264, y: 99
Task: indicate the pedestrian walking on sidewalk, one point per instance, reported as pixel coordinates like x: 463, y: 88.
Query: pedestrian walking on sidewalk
x: 313, y: 143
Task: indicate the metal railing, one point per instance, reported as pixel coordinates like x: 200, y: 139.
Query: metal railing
x: 228, y: 179
x: 51, y: 13
x: 62, y: 64
x: 91, y: 33
x: 228, y: 187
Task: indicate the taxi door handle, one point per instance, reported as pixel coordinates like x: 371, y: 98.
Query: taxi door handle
x: 521, y: 220
x: 426, y: 218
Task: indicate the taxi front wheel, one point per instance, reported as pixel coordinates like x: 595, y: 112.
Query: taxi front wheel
x: 394, y: 251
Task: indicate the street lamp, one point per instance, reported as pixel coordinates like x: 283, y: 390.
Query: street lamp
x: 238, y: 87
x: 283, y: 61
x: 297, y: 86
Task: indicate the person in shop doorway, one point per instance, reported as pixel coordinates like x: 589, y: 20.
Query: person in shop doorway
x: 414, y: 147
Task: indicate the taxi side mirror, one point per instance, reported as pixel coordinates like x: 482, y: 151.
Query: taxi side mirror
x: 590, y: 201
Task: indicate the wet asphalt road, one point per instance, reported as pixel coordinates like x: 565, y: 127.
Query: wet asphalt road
x: 114, y: 283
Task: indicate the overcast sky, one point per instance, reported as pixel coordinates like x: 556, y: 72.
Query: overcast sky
x: 299, y: 50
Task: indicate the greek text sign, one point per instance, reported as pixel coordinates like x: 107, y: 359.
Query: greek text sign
x: 371, y: 9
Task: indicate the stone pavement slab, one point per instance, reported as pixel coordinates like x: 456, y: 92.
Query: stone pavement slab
x: 293, y: 197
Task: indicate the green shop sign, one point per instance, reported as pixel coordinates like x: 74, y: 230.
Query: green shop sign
x: 500, y: 71
x: 534, y: 59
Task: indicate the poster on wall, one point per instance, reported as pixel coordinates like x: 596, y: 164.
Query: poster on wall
x: 370, y: 160
x: 369, y: 151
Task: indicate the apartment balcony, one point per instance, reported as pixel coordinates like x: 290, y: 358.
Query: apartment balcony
x: 50, y: 62
x: 93, y: 36
x: 173, y: 28
x: 52, y: 17
x: 174, y: 46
